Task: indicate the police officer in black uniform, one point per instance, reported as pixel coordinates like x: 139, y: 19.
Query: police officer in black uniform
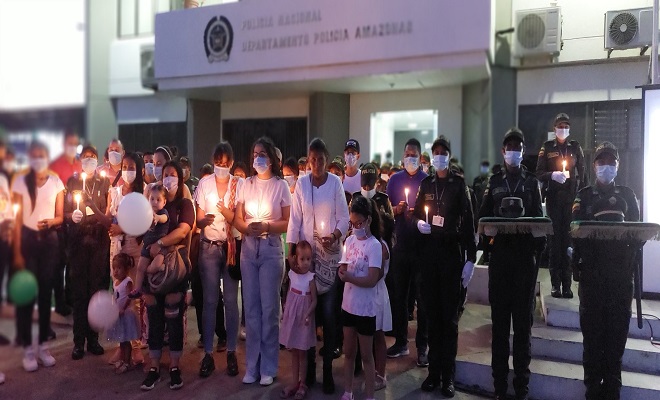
x: 605, y: 274
x: 512, y: 271
x: 88, y: 250
x: 368, y: 181
x: 447, y: 252
x: 560, y: 168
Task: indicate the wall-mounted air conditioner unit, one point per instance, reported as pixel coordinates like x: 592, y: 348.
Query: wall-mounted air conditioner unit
x: 147, y: 73
x: 537, y: 32
x: 628, y: 29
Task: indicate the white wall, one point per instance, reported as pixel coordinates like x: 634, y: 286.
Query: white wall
x: 578, y: 83
x: 42, y: 53
x: 447, y: 101
x: 125, y: 70
x: 583, y: 25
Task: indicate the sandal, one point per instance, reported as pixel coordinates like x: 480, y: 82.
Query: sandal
x: 302, y: 392
x: 289, y: 392
x: 121, y: 368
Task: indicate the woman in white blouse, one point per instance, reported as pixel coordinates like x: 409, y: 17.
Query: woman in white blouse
x: 262, y: 215
x: 319, y: 215
x: 40, y: 194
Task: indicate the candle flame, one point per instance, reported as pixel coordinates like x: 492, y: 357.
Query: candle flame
x: 102, y: 174
x: 77, y: 197
x: 426, y: 208
x: 84, y: 176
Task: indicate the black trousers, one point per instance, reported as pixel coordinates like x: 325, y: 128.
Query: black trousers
x: 404, y: 277
x: 606, y: 292
x: 441, y: 268
x: 5, y: 262
x: 559, y: 210
x: 40, y: 251
x: 61, y: 289
x: 512, y: 275
x: 89, y: 263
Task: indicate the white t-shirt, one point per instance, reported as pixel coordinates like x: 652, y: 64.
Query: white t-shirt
x: 353, y: 184
x: 6, y: 210
x: 362, y: 255
x: 44, y: 207
x: 264, y: 199
x: 301, y: 282
x: 206, y: 197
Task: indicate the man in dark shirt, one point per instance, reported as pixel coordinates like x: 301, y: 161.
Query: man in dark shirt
x: 560, y: 169
x: 605, y: 271
x: 443, y: 215
x: 513, y: 270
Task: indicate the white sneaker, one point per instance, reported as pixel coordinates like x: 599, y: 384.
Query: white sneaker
x: 249, y: 379
x: 44, y: 357
x: 266, y: 380
x: 2, y: 378
x: 30, y: 360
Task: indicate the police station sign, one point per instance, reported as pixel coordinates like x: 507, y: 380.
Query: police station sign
x: 287, y: 34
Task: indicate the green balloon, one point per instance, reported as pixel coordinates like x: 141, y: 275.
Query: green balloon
x: 23, y: 288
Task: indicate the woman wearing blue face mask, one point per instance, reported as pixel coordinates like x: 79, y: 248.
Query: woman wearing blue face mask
x: 40, y: 195
x: 262, y: 215
x: 443, y: 215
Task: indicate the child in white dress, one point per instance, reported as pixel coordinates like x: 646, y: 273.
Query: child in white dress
x: 126, y: 327
x: 297, y: 331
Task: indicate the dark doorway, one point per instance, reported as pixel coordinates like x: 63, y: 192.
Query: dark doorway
x: 289, y: 135
x: 146, y: 137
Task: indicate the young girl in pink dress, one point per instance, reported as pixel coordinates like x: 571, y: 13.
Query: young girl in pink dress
x: 297, y: 331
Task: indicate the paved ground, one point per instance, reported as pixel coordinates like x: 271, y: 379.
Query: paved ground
x: 92, y: 378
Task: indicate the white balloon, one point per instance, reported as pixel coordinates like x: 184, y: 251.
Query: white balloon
x: 135, y: 214
x: 102, y: 312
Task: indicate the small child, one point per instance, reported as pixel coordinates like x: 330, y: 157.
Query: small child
x: 126, y: 327
x: 157, y: 199
x: 298, y: 327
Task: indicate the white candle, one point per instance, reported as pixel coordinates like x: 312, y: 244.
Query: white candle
x: 426, y: 208
x: 15, y: 207
x: 84, y: 177
x: 102, y: 174
x: 567, y: 174
x: 77, y: 197
x: 407, y: 191
x: 322, y: 228
x: 343, y: 253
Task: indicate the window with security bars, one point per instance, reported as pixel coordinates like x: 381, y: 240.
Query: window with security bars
x: 592, y: 123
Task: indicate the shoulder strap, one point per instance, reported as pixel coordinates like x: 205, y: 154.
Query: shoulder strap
x: 114, y: 183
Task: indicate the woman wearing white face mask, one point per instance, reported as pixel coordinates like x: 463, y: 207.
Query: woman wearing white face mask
x: 320, y: 216
x: 40, y: 195
x: 291, y: 173
x: 219, y: 247
x: 162, y: 155
x: 88, y: 247
x: 131, y: 171
x: 262, y: 215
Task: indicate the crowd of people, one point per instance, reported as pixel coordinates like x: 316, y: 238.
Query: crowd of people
x: 316, y: 246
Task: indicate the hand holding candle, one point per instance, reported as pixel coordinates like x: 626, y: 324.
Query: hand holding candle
x: 426, y: 209
x: 77, y: 198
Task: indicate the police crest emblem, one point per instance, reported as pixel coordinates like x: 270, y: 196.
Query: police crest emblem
x: 218, y: 39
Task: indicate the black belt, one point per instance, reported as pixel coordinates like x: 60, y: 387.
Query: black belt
x: 213, y: 242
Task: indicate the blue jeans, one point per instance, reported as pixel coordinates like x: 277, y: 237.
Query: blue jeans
x: 262, y: 268
x: 212, y: 266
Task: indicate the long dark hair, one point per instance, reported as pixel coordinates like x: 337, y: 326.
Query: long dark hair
x: 31, y: 177
x: 269, y: 147
x: 138, y: 183
x: 179, y: 173
x: 368, y: 208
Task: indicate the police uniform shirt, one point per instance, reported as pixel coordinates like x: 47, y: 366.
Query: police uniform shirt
x: 598, y: 203
x: 382, y: 201
x: 449, y: 209
x: 551, y: 157
x: 504, y: 184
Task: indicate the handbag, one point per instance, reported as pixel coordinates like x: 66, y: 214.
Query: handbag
x: 176, y: 268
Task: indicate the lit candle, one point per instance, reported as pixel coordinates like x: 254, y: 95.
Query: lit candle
x: 103, y: 174
x: 426, y: 209
x: 84, y: 177
x: 15, y: 207
x: 567, y: 174
x: 322, y: 228
x: 343, y: 253
x: 407, y: 191
x: 77, y: 197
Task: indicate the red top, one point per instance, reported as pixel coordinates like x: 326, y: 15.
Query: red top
x: 64, y: 169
